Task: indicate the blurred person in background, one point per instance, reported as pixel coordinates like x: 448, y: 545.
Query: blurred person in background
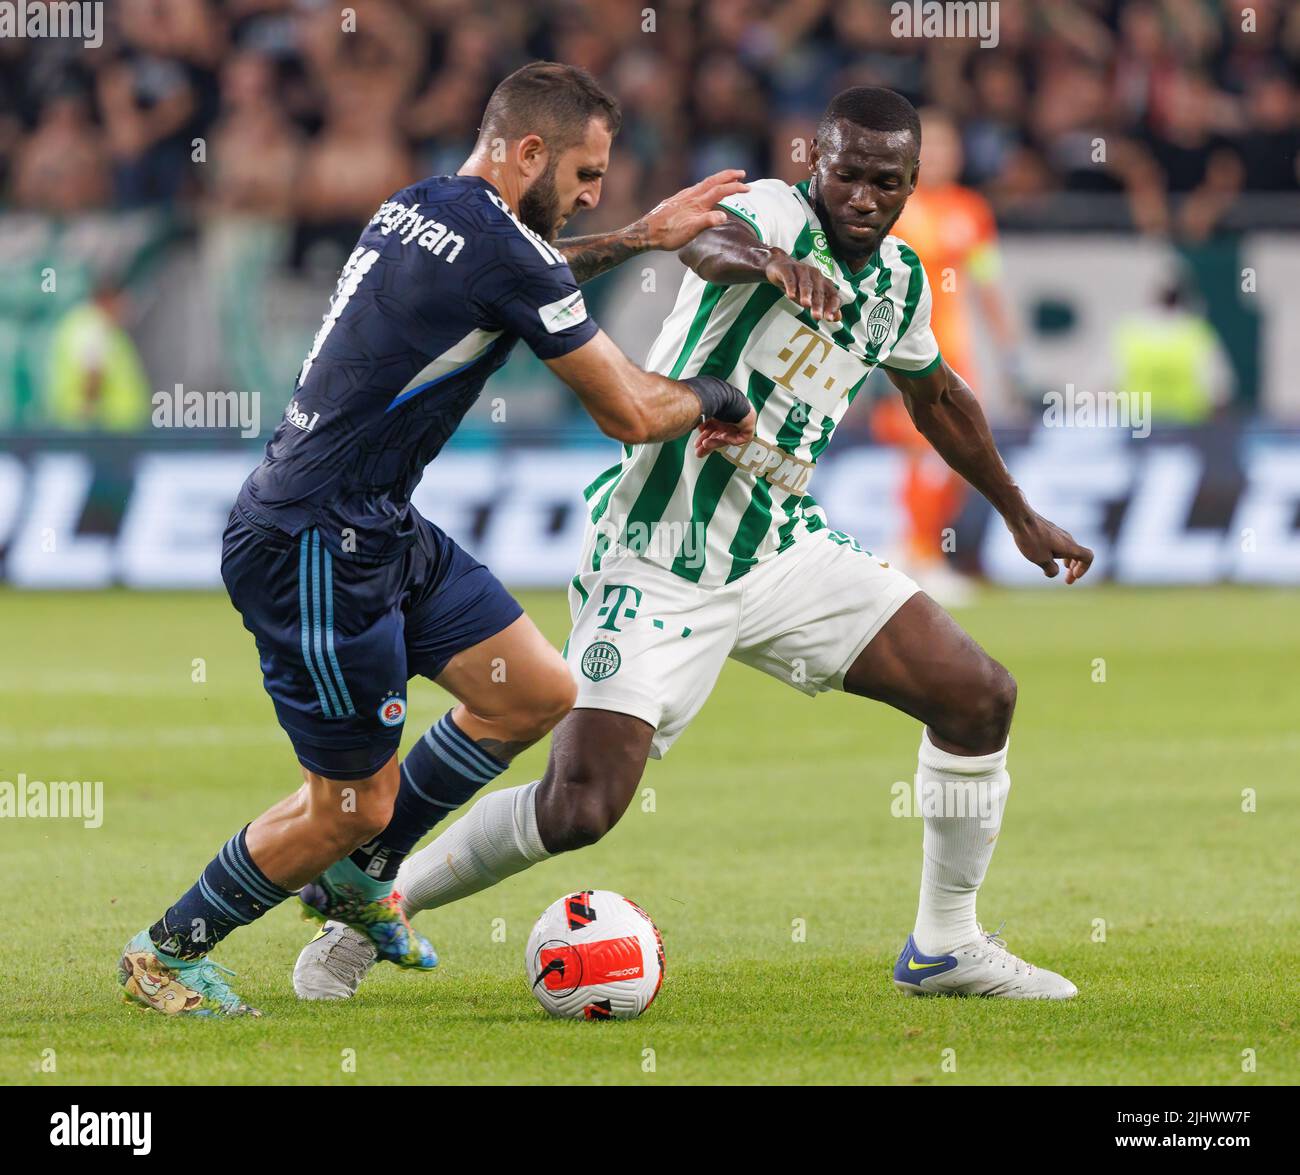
x: 256, y: 151
x: 158, y: 94
x: 952, y: 229
x: 352, y: 166
x: 94, y: 377
x: 1270, y: 149
x: 1172, y: 359
x: 61, y: 168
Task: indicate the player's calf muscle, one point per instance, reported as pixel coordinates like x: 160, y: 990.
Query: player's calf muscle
x: 597, y: 759
x: 320, y: 823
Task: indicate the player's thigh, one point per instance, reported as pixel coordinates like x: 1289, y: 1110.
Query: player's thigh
x: 811, y: 610
x: 648, y: 643
x: 329, y: 636
x: 924, y: 663
x: 455, y: 609
x: 515, y: 674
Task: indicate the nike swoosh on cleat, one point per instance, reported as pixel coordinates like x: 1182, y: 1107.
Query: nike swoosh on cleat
x: 913, y: 965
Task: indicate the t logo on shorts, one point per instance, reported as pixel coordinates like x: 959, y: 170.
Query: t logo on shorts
x: 610, y: 611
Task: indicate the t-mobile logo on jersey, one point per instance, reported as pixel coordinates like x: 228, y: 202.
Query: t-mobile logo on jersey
x: 298, y: 418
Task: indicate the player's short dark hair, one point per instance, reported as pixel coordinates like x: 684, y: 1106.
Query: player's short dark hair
x: 874, y: 108
x: 548, y: 99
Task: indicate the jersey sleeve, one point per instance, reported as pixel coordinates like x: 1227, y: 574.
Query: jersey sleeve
x: 771, y: 211
x: 528, y: 290
x: 917, y: 352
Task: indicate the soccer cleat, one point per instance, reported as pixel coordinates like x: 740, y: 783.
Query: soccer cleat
x: 982, y: 966
x: 176, y: 987
x: 381, y: 920
x: 333, y: 964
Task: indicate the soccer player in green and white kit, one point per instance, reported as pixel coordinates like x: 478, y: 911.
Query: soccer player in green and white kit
x: 694, y: 557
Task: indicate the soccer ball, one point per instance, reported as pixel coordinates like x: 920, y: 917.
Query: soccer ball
x: 595, y: 955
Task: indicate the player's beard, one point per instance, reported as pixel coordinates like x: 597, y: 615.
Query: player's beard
x: 539, y: 207
x: 852, y: 249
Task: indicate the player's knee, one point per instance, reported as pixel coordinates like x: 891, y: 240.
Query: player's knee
x: 588, y: 818
x: 575, y: 808
x: 349, y: 814
x: 994, y: 705
x: 980, y: 720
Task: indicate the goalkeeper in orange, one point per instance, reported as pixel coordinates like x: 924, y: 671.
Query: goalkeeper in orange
x: 953, y: 232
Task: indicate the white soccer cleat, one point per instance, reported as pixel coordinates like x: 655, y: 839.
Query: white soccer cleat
x: 333, y: 964
x: 983, y: 967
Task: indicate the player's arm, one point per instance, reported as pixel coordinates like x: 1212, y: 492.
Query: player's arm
x: 639, y: 407
x: 669, y: 225
x: 947, y: 414
x: 732, y: 255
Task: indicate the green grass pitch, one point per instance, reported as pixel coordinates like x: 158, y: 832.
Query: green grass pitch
x: 765, y: 849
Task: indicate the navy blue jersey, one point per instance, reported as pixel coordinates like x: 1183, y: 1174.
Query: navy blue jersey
x: 442, y: 284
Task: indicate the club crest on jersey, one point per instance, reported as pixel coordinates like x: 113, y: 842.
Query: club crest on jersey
x: 601, y: 660
x: 879, y: 322
x: 392, y: 710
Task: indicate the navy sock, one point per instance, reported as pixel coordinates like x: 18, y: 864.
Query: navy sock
x: 230, y: 892
x: 441, y: 772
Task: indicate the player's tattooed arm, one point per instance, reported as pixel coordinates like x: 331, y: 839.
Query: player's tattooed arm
x: 731, y: 255
x: 593, y: 255
x: 669, y: 225
x: 946, y: 412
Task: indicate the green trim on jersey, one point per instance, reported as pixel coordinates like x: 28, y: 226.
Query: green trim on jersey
x: 736, y: 212
x: 918, y: 372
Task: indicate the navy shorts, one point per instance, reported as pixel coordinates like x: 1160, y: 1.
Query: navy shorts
x: 339, y: 640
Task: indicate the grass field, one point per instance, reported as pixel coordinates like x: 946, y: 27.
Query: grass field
x: 1126, y: 807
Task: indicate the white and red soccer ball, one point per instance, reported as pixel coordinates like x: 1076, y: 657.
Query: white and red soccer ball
x: 595, y: 955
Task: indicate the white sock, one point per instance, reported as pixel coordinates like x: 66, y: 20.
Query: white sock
x: 495, y: 838
x: 962, y: 798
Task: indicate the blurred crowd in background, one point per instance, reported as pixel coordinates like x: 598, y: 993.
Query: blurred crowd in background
x: 303, y: 123
x: 292, y: 120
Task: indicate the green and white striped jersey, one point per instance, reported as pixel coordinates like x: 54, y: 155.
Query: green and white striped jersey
x: 711, y: 520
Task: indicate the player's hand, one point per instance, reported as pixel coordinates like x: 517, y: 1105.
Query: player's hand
x: 681, y: 218
x: 1044, y: 542
x: 716, y: 434
x: 804, y: 285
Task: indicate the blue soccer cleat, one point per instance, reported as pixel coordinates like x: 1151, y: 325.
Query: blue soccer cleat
x: 982, y: 967
x: 176, y: 987
x: 381, y: 920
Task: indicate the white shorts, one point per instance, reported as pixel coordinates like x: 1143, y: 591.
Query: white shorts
x: 651, y: 644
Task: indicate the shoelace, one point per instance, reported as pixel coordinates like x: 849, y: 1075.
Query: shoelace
x: 214, y: 986
x: 998, y: 947
x: 349, y: 953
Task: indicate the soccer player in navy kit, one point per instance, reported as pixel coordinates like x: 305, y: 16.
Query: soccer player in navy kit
x: 349, y: 592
